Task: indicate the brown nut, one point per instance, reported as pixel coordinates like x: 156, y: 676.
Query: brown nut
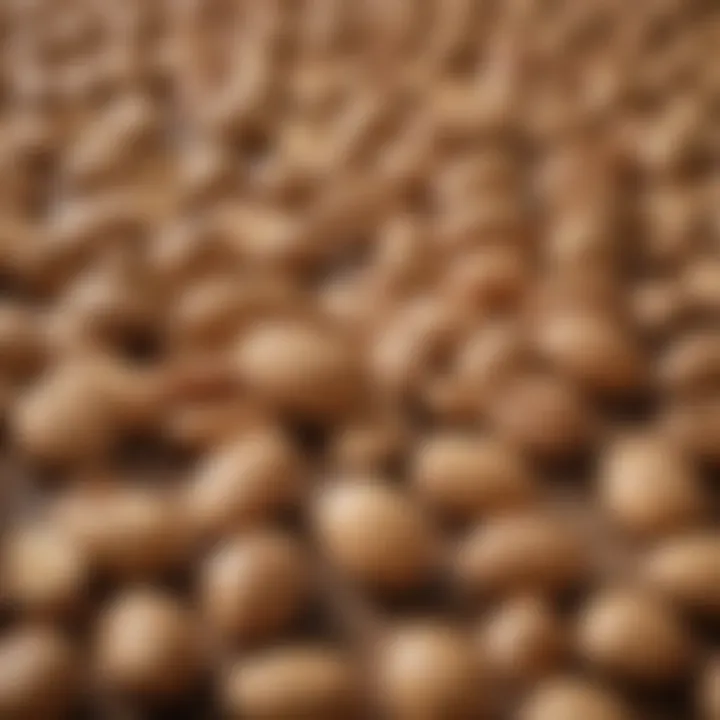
x: 523, y: 640
x: 212, y: 310
x: 254, y: 586
x: 593, y: 350
x: 429, y: 671
x: 695, y: 425
x: 648, y: 488
x: 708, y: 692
x: 686, y: 571
x: 531, y: 553
x: 38, y: 675
x: 374, y: 534
x: 471, y: 477
x: 43, y: 571
x: 298, y: 368
x: 245, y: 483
x: 66, y: 416
x: 407, y: 346
x: 491, y: 280
x: 304, y: 682
x: 22, y: 346
x: 691, y: 365
x: 572, y: 698
x: 114, y: 143
x: 700, y: 285
x: 369, y: 446
x: 126, y: 532
x: 217, y: 421
x: 487, y: 359
x: 633, y: 636
x: 146, y: 646
x: 543, y: 415
x: 657, y: 306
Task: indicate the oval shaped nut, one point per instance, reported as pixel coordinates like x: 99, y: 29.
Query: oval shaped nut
x: 404, y: 349
x: 657, y: 306
x: 569, y: 698
x: 254, y: 586
x: 369, y: 446
x: 695, y: 426
x: 691, y: 365
x: 489, y: 357
x: 304, y: 682
x: 523, y: 640
x: 648, y: 488
x: 299, y: 368
x: 147, y: 646
x: 126, y: 532
x: 469, y: 477
x: 542, y: 415
x: 245, y: 483
x: 708, y: 691
x: 633, y: 636
x: 211, y: 311
x: 43, y: 571
x: 207, y: 312
x: 700, y: 284
x: 38, y: 675
x: 429, y: 671
x: 489, y: 280
x: 375, y: 535
x: 593, y: 350
x: 530, y: 553
x: 65, y: 416
x: 686, y: 571
x: 22, y: 346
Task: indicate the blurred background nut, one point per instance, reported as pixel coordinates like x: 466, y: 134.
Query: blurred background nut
x: 371, y: 445
x: 429, y: 671
x: 488, y: 357
x: 375, y: 535
x: 691, y: 365
x: 126, y: 532
x: 686, y: 570
x: 522, y: 640
x: 708, y: 701
x: 657, y: 306
x: 408, y: 347
x: 147, y: 646
x: 525, y: 552
x: 66, y: 416
x: 543, y: 415
x: 471, y: 477
x: 488, y: 281
x: 700, y: 283
x: 649, y: 488
x: 43, y: 571
x: 634, y: 636
x: 306, y: 682
x: 695, y: 425
x: 256, y: 585
x: 299, y: 369
x: 114, y: 144
x: 245, y: 482
x: 22, y: 344
x: 593, y: 350
x: 569, y: 698
x: 38, y: 674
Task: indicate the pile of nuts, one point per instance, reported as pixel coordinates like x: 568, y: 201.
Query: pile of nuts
x: 360, y: 359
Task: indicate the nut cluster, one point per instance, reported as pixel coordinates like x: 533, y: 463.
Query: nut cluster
x: 360, y: 359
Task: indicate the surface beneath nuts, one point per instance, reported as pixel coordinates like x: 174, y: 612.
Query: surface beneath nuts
x: 359, y: 360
